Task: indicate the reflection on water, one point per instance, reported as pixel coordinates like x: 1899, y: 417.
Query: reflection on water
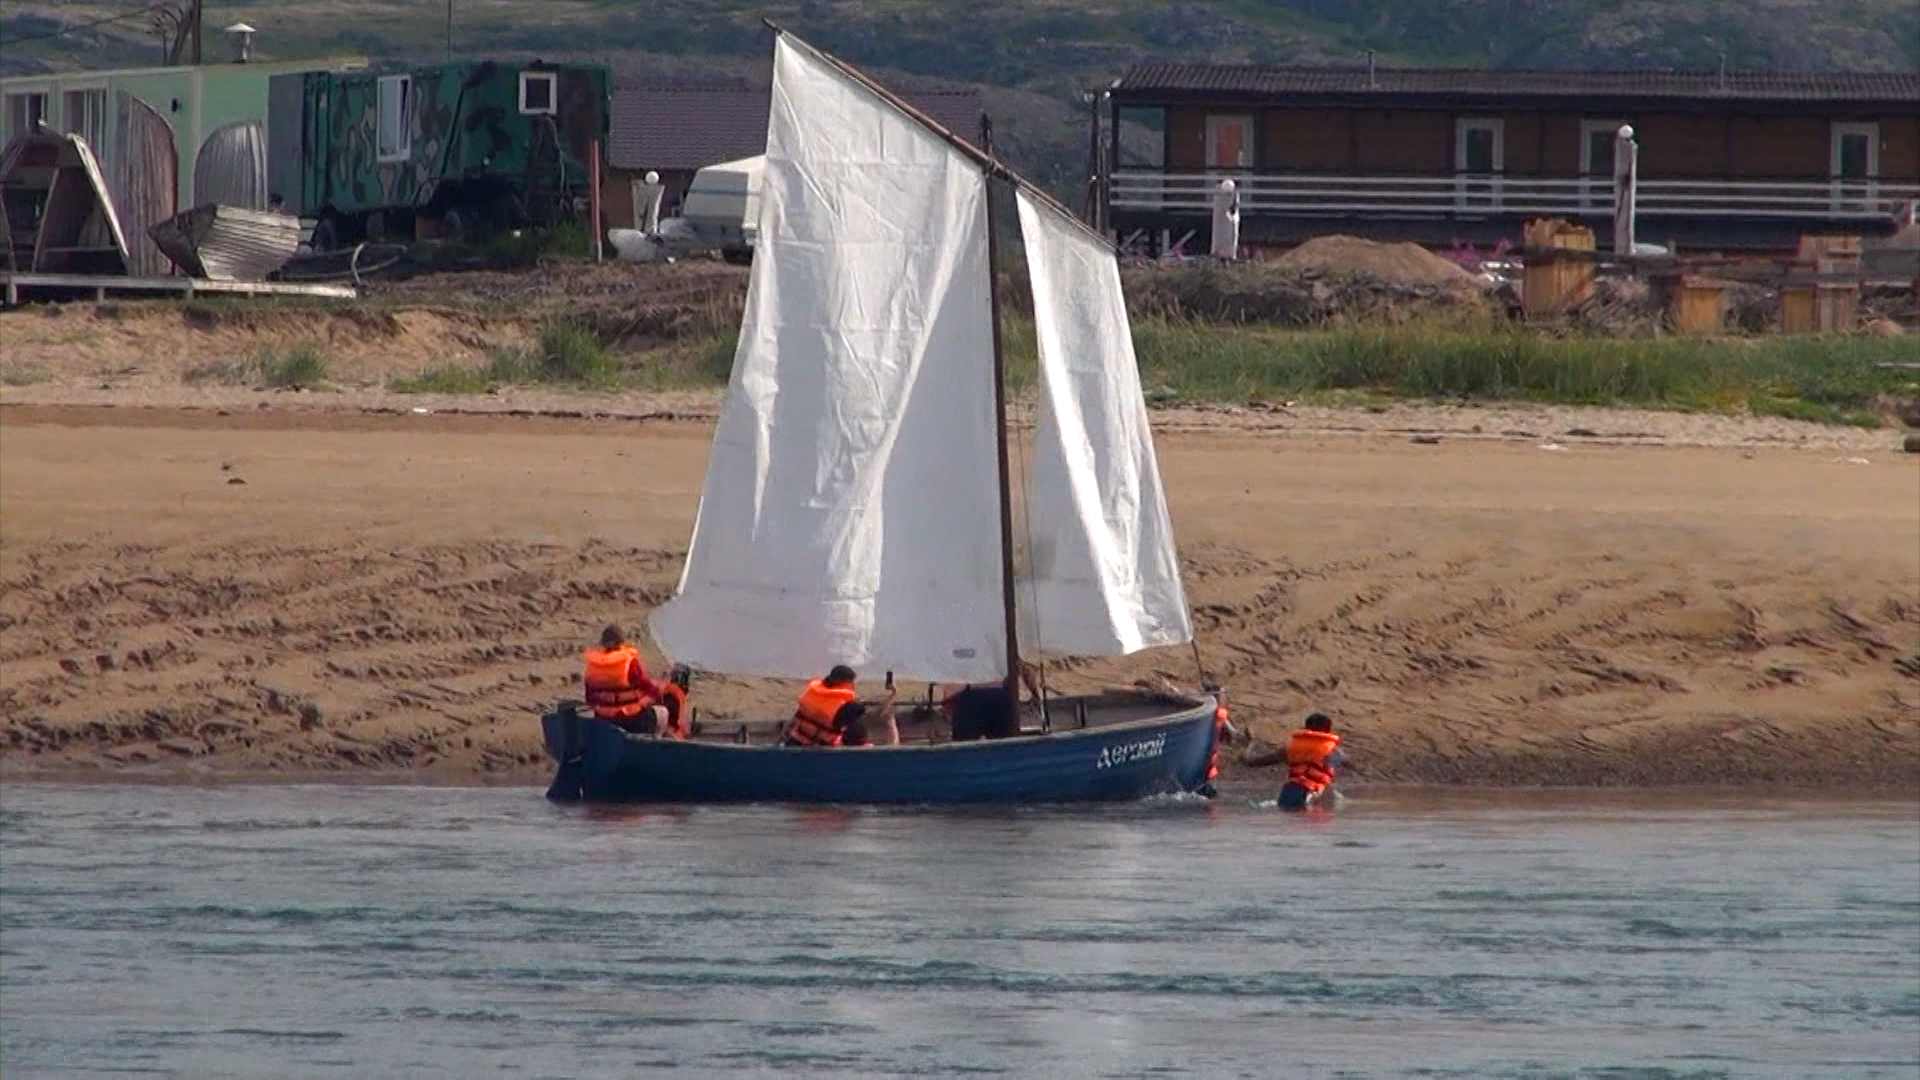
x: 263, y: 931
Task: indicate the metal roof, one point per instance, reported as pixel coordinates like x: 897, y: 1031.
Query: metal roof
x: 1252, y: 80
x: 691, y: 128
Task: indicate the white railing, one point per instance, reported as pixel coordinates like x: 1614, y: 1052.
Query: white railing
x: 1483, y: 195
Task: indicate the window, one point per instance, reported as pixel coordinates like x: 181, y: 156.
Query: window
x: 84, y: 113
x: 538, y: 92
x: 1141, y: 138
x: 1479, y: 146
x: 393, y: 137
x: 1229, y: 142
x: 1596, y: 146
x: 1856, y: 151
x: 24, y: 111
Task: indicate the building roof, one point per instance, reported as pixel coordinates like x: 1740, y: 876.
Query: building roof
x: 691, y: 128
x: 1253, y: 80
x: 34, y: 81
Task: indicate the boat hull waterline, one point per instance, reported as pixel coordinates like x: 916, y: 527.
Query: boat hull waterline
x: 1123, y: 762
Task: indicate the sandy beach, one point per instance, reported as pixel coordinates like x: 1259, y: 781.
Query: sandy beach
x: 339, y: 586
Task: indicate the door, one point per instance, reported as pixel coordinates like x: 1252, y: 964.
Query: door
x: 1229, y: 143
x: 1855, y: 166
x: 1597, y: 139
x: 1479, y: 157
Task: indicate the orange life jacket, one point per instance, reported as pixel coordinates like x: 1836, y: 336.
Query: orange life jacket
x: 1307, y: 753
x: 812, y: 723
x: 675, y: 699
x: 610, y: 689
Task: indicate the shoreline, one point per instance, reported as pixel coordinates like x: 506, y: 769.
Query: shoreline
x: 1238, y: 783
x: 275, y: 590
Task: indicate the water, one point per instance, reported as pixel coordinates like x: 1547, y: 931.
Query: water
x: 314, y: 931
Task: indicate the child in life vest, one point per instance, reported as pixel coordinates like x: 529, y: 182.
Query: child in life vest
x: 1313, y: 760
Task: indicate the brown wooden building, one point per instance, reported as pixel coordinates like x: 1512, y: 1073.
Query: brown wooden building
x: 1734, y: 160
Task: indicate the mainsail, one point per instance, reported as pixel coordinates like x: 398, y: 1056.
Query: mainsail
x: 1104, y: 578
x: 850, y: 512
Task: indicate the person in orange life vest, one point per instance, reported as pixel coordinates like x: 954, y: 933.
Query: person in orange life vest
x: 619, y: 691
x: 817, y: 718
x: 1313, y: 758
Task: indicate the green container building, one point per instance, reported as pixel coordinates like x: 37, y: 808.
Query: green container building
x: 458, y: 148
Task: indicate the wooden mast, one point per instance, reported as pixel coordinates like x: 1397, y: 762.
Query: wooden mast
x: 1000, y: 434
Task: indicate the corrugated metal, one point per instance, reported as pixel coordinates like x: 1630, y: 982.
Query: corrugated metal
x: 1258, y: 79
x: 229, y: 243
x: 231, y: 169
x: 144, y: 180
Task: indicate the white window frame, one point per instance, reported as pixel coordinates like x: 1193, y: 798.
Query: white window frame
x: 24, y: 123
x: 1596, y: 190
x: 1856, y: 196
x: 1478, y: 191
x: 552, y: 79
x: 1587, y: 130
x: 1465, y: 124
x: 400, y: 147
x: 95, y: 133
x: 1216, y: 121
x: 1844, y: 128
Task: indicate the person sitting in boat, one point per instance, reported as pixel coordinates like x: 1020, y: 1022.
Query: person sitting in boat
x: 980, y: 710
x: 619, y: 691
x: 815, y: 720
x: 1313, y: 759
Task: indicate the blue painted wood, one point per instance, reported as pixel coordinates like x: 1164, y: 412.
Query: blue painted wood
x: 599, y: 762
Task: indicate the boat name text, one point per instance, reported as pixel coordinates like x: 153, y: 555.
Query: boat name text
x: 1125, y: 753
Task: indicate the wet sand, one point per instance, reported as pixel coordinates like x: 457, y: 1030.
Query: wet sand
x: 322, y: 591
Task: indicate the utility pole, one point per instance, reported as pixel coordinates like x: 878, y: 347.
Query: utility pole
x: 449, y: 30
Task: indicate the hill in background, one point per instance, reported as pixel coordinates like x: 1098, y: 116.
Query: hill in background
x: 1036, y: 57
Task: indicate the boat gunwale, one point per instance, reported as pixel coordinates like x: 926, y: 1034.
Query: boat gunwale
x: 1202, y: 705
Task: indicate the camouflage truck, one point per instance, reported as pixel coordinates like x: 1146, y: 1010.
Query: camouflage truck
x: 459, y: 149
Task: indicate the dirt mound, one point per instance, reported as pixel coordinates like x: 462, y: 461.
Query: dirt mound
x: 1396, y: 264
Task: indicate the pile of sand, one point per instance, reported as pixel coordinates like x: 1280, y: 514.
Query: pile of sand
x: 1399, y: 264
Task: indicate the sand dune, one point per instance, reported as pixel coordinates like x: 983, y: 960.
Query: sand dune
x: 186, y: 592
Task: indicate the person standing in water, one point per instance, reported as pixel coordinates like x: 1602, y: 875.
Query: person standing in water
x: 1313, y: 760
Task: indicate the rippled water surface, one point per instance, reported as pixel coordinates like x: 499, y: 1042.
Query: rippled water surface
x: 316, y: 931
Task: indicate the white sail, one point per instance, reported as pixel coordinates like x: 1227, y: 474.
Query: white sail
x: 851, y: 511
x: 1104, y: 578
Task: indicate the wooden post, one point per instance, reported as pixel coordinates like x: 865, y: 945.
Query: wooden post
x: 593, y: 195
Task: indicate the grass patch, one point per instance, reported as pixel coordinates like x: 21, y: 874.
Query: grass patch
x: 567, y: 354
x: 1824, y: 379
x: 25, y: 375
x: 303, y: 367
x: 1829, y: 379
x: 224, y: 372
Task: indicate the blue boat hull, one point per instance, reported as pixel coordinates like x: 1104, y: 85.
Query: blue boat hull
x: 1160, y: 755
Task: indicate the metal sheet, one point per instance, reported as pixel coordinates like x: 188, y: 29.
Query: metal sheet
x: 229, y: 243
x: 231, y: 168
x: 144, y: 180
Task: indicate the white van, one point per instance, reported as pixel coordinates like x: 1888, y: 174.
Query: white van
x: 720, y: 213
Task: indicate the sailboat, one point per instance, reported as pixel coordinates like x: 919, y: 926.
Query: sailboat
x: 858, y: 506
